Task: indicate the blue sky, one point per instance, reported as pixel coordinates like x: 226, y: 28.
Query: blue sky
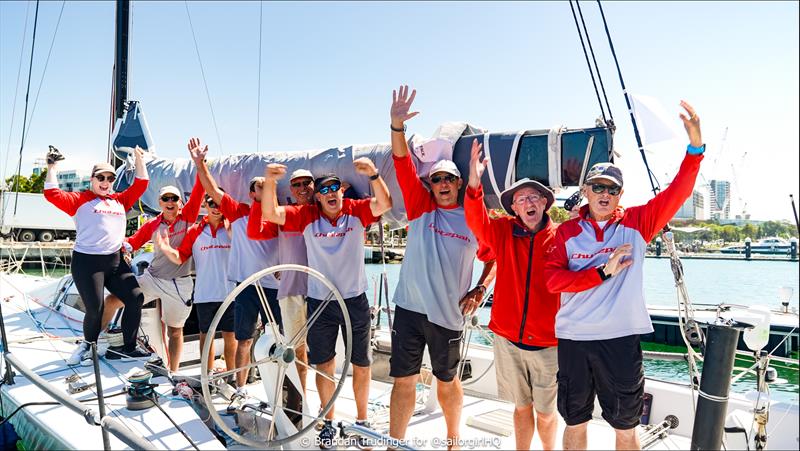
x: 328, y: 69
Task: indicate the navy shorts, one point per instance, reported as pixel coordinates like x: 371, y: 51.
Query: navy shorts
x: 411, y: 331
x: 611, y: 369
x: 206, y: 312
x: 321, y: 337
x: 248, y: 308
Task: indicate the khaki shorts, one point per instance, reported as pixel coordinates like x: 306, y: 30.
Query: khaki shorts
x: 293, y: 312
x: 174, y: 294
x: 526, y: 377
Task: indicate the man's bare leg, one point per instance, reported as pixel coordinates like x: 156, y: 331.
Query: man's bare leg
x: 575, y: 436
x: 524, y: 425
x: 361, y: 380
x: 451, y: 398
x: 547, y: 425
x: 627, y: 439
x: 325, y: 387
x: 401, y: 405
x: 174, y: 347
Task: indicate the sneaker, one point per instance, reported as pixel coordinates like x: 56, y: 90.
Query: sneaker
x: 82, y: 355
x: 237, y: 400
x: 327, y: 435
x: 119, y: 352
x: 362, y: 441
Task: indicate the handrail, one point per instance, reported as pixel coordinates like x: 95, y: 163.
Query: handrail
x: 111, y: 424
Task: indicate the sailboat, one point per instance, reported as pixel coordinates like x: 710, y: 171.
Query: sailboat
x: 138, y: 404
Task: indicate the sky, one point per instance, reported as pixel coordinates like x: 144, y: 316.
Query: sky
x: 328, y: 69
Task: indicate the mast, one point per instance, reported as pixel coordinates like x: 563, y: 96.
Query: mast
x: 119, y: 93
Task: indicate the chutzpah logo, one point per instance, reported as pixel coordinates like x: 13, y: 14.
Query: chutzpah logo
x: 579, y: 256
x: 333, y: 234
x: 215, y: 246
x: 448, y: 234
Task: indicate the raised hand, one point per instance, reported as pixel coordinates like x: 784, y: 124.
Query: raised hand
x: 274, y: 172
x: 615, y: 263
x: 138, y: 154
x: 401, y: 103
x: 365, y: 166
x: 197, y: 150
x: 476, y: 165
x: 692, y: 125
x: 53, y: 156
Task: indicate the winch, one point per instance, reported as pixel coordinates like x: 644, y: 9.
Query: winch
x: 140, y: 391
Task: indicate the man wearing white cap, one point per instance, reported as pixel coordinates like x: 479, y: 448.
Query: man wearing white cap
x: 433, y: 293
x: 523, y: 311
x: 163, y: 279
x: 291, y: 250
x: 247, y: 257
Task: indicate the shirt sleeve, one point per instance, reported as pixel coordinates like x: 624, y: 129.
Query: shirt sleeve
x: 477, y: 217
x: 185, y: 249
x: 231, y: 209
x: 191, y: 208
x: 300, y: 216
x: 129, y: 197
x: 558, y: 277
x: 416, y: 198
x: 485, y: 252
x: 144, y: 234
x: 257, y: 228
x: 648, y: 219
x: 65, y: 201
x: 360, y: 208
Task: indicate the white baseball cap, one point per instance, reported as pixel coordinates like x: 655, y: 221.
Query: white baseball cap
x: 301, y: 173
x: 445, y: 166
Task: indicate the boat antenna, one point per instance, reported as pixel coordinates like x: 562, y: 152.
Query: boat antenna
x: 25, y: 114
x: 654, y: 185
x: 794, y: 209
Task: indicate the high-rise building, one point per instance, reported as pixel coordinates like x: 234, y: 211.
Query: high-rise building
x: 719, y: 193
x: 693, y: 208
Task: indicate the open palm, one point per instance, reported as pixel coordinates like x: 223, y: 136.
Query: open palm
x: 401, y: 104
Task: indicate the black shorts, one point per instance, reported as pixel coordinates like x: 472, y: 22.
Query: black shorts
x: 206, y: 312
x: 612, y: 369
x: 411, y: 331
x: 248, y: 308
x: 321, y: 339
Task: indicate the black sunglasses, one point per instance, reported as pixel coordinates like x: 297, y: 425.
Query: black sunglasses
x: 103, y: 178
x: 613, y: 190
x: 170, y: 198
x: 449, y: 178
x: 304, y: 183
x: 211, y: 203
x: 332, y: 188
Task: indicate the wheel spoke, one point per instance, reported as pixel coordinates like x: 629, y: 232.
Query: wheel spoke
x: 270, y: 317
x: 277, y: 401
x: 310, y: 322
x: 213, y: 377
x: 310, y: 367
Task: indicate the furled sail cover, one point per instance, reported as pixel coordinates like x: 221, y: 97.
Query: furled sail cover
x: 513, y: 155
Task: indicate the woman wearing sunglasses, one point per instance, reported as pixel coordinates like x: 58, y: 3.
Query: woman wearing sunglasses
x: 97, y: 262
x: 597, y: 263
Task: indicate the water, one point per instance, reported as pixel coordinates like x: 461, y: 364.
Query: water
x: 708, y: 282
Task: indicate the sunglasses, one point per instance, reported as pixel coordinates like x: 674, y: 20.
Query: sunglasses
x: 530, y: 198
x: 449, y: 178
x: 613, y: 190
x: 103, y: 178
x: 332, y: 188
x: 303, y: 184
x: 211, y: 203
x: 170, y: 198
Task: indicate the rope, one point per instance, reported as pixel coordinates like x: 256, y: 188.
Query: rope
x: 586, y: 56
x: 16, y: 91
x: 44, y: 71
x: 25, y: 114
x: 596, y: 69
x: 203, y: 73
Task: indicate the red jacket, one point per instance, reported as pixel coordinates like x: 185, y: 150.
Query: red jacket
x: 521, y: 313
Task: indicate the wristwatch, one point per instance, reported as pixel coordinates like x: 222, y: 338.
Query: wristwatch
x: 602, y: 271
x: 374, y: 177
x: 398, y: 130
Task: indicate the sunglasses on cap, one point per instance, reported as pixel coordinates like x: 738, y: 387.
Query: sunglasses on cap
x: 172, y: 198
x: 303, y: 184
x: 449, y: 178
x: 211, y: 203
x: 332, y: 188
x: 599, y: 188
x: 103, y: 178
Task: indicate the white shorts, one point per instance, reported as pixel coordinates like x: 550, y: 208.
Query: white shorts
x: 293, y: 313
x: 174, y: 295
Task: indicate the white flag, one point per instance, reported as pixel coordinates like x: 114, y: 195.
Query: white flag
x: 655, y: 124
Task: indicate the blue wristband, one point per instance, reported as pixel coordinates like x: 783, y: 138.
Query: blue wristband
x: 695, y: 150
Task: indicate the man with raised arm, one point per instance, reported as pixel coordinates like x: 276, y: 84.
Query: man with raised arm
x: 333, y: 229
x: 596, y: 263
x: 433, y: 293
x: 247, y: 257
x: 291, y: 250
x: 163, y: 279
x: 523, y: 311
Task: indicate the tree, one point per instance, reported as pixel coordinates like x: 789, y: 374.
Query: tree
x: 558, y: 214
x: 32, y: 184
